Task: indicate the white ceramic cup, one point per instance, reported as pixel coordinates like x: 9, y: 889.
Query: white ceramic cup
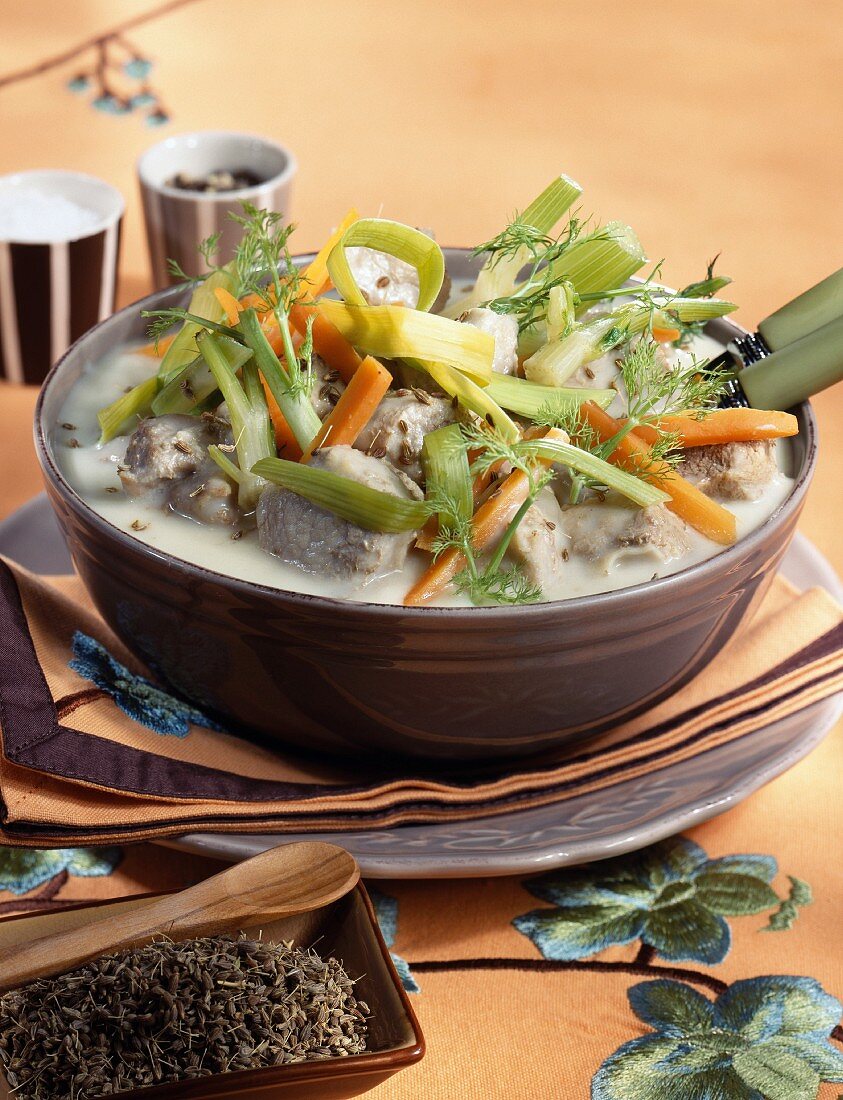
x: 59, y: 243
x: 177, y: 220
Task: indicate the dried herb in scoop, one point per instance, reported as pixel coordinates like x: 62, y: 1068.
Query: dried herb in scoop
x: 174, y: 1011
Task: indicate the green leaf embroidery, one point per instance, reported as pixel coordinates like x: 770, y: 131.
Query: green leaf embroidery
x: 800, y: 895
x: 776, y: 1074
x: 761, y: 1039
x: 670, y: 895
x: 25, y: 869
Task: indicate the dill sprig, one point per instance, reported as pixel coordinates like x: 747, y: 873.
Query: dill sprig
x: 164, y: 319
x: 492, y: 583
x: 707, y: 287
x: 265, y: 269
x: 654, y: 390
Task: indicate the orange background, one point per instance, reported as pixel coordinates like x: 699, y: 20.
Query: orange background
x: 709, y: 127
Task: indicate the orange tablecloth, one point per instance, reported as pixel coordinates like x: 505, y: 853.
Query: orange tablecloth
x: 707, y: 129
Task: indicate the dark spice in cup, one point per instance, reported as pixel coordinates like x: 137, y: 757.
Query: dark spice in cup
x: 222, y: 179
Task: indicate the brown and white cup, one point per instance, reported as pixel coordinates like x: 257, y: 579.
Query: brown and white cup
x: 59, y: 244
x: 178, y: 220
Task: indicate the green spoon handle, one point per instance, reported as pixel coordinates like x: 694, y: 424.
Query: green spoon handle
x: 817, y: 307
x: 795, y: 372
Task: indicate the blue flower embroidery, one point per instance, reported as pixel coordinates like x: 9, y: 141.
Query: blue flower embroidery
x: 24, y: 869
x: 135, y: 695
x: 762, y: 1039
x: 386, y: 910
x: 671, y: 896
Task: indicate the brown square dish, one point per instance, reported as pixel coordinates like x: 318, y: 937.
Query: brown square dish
x: 347, y: 929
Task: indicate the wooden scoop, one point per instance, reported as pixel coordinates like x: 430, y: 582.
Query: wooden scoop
x: 290, y: 879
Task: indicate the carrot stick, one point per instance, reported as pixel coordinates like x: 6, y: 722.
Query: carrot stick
x: 354, y: 409
x: 230, y: 304
x: 686, y: 500
x: 328, y: 341
x: 288, y: 445
x: 488, y: 526
x: 722, y: 426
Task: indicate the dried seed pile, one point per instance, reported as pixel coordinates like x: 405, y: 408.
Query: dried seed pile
x: 173, y: 1011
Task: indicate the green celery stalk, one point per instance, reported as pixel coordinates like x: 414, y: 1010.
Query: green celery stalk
x: 445, y: 460
x: 603, y: 260
x: 203, y: 303
x: 633, y: 488
x: 498, y: 275
x: 250, y: 423
x: 127, y: 409
x: 371, y: 509
x: 226, y: 465
x: 192, y: 384
x: 292, y: 396
x: 555, y: 362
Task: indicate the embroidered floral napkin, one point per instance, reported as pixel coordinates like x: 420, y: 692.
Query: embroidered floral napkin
x: 92, y: 750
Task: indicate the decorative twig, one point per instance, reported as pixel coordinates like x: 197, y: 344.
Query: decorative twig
x: 75, y: 51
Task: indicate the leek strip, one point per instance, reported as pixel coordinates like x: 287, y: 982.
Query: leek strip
x: 445, y: 459
x: 603, y: 260
x: 555, y: 362
x: 292, y: 396
x: 410, y: 245
x: 192, y: 384
x: 250, y: 423
x: 127, y: 409
x: 473, y: 397
x: 633, y: 488
x: 526, y: 398
x: 371, y: 509
x: 498, y: 275
x: 226, y: 465
x: 394, y: 332
x: 203, y: 303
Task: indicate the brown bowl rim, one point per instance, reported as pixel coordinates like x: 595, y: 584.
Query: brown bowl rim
x: 621, y: 600
x: 355, y: 1065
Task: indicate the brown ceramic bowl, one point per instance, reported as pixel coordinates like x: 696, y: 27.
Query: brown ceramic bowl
x: 440, y: 682
x: 346, y: 929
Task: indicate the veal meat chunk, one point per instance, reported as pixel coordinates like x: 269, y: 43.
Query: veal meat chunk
x: 165, y: 449
x: 167, y: 460
x: 536, y: 545
x: 603, y: 531
x: 397, y: 429
x: 327, y: 387
x: 732, y: 471
x: 317, y: 541
x: 504, y: 328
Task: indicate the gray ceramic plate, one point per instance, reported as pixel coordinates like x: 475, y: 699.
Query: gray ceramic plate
x: 586, y: 828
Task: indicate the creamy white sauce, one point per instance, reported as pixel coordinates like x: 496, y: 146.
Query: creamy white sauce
x: 92, y: 471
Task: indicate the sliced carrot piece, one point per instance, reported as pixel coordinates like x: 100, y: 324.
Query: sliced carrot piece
x: 665, y: 335
x: 723, y: 426
x: 328, y: 341
x: 687, y: 501
x: 488, y: 526
x: 230, y: 304
x: 355, y: 407
x: 286, y: 442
